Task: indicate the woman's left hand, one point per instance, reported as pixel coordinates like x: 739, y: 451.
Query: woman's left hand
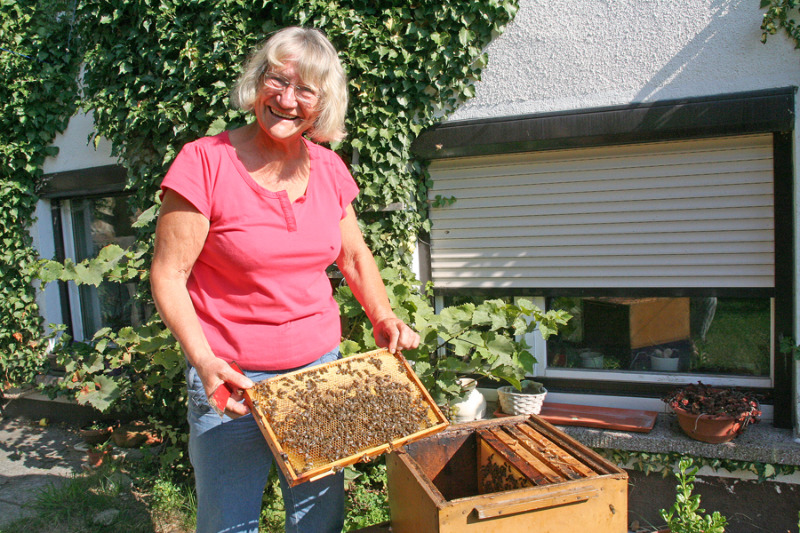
x: 393, y: 334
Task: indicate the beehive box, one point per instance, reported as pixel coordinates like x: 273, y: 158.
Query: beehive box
x: 627, y: 324
x: 516, y: 474
x: 321, y: 419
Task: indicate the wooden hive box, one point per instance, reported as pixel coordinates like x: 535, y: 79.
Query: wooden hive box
x: 517, y: 474
x: 627, y: 324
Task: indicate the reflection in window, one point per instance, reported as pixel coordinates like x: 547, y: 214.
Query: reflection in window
x: 705, y: 335
x: 97, y: 222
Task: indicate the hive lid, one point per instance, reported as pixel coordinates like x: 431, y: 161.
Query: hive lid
x: 321, y: 419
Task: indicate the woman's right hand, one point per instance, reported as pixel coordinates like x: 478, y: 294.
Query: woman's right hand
x: 214, y: 373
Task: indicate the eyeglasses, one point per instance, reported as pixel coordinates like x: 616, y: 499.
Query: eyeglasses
x: 303, y: 93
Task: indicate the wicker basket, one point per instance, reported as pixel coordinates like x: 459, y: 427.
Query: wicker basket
x: 513, y: 402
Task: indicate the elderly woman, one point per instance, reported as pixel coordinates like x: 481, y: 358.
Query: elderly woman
x: 250, y: 220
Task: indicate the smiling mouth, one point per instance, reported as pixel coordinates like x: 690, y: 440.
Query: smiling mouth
x: 282, y: 115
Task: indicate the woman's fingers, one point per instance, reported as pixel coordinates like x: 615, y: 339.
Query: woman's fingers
x: 393, y: 334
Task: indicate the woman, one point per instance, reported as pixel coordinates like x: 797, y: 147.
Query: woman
x: 249, y: 221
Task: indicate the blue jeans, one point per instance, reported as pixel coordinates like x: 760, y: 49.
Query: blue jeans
x: 232, y: 461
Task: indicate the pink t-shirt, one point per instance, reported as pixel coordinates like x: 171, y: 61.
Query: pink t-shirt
x: 259, y: 285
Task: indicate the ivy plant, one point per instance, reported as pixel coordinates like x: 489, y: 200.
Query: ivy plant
x: 780, y: 15
x: 156, y: 75
x: 38, y: 93
x: 663, y: 463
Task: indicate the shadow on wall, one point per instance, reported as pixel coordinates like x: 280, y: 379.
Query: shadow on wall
x: 715, y: 53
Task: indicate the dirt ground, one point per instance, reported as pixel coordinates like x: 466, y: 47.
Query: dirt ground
x: 749, y: 506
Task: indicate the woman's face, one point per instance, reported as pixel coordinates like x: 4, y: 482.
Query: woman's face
x: 285, y: 110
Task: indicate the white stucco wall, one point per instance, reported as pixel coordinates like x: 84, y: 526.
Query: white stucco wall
x: 562, y: 55
x: 76, y: 151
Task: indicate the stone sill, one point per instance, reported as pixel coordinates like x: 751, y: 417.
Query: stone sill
x: 762, y: 442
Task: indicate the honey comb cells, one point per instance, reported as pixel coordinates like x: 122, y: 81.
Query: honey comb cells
x: 328, y: 413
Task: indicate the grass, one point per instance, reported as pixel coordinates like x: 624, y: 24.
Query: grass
x: 109, y: 498
x: 738, y: 340
x: 136, y: 499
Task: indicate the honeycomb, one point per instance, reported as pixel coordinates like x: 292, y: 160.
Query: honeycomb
x: 340, y: 412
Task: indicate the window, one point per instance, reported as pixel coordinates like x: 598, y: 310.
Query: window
x: 676, y: 212
x: 719, y: 340
x: 706, y: 336
x: 90, y: 224
x: 88, y: 209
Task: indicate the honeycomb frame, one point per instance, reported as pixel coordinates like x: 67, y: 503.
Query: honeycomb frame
x: 320, y: 419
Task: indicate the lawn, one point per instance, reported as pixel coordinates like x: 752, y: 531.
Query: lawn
x: 134, y: 498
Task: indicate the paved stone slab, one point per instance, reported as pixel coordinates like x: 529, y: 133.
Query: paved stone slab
x: 33, y: 457
x: 10, y: 512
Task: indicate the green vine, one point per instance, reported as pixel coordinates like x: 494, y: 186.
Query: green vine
x: 157, y: 75
x: 38, y: 93
x: 685, y: 515
x: 779, y: 16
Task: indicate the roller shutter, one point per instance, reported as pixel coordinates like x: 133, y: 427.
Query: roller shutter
x: 697, y: 213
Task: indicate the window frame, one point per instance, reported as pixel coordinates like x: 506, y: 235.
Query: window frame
x: 59, y: 190
x: 764, y: 111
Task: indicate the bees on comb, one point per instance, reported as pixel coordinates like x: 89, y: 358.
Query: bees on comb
x: 323, y: 415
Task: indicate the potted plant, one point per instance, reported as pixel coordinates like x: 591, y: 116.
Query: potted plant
x: 664, y: 360
x: 96, y: 453
x: 95, y: 433
x: 484, y: 338
x: 713, y: 414
x: 591, y: 359
x: 528, y: 400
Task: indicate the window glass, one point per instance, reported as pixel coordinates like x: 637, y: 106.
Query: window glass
x: 97, y: 222
x: 654, y: 335
x: 705, y: 335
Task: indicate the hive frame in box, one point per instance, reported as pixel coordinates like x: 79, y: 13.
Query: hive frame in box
x: 289, y: 460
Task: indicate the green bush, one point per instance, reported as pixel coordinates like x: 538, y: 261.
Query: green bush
x: 484, y: 339
x: 686, y: 516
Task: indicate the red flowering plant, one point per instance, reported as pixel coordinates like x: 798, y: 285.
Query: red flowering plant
x: 701, y: 399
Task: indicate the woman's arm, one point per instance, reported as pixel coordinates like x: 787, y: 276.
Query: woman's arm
x: 363, y: 277
x: 180, y: 235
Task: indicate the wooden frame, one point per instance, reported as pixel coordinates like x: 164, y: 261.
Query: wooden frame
x: 294, y: 475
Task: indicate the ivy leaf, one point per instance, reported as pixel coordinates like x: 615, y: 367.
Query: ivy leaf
x: 464, y: 36
x: 50, y: 271
x: 111, y: 253
x: 349, y: 347
x: 146, y: 217
x: 503, y: 349
x: 105, y: 393
x: 216, y: 127
x: 89, y: 274
x: 168, y: 359
x: 527, y: 360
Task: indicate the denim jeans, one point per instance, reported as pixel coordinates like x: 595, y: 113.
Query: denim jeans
x: 232, y: 461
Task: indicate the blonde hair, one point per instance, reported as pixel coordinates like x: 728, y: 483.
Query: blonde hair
x: 317, y: 63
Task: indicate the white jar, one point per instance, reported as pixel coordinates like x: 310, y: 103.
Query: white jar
x: 473, y: 407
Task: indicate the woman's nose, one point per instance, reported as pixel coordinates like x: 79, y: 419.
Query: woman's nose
x: 284, y: 95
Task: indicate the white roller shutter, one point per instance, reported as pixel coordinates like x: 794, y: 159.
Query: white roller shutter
x: 695, y: 213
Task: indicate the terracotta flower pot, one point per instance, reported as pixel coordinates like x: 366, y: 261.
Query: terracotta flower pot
x: 94, y: 436
x: 131, y: 435
x: 708, y: 428
x: 95, y: 457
